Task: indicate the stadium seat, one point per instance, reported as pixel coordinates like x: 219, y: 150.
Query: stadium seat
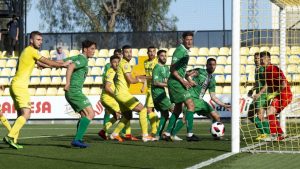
x: 220, y: 78
x: 289, y: 77
x: 251, y: 78
x: 13, y: 72
x: 63, y: 71
x: 96, y: 54
x: 4, y: 81
x: 169, y: 61
x: 103, y: 53
x: 296, y: 78
x: 224, y: 51
x: 221, y: 60
x: 107, y: 60
x: 3, y: 54
x: 171, y: 51
x: 203, y: 51
x: 2, y: 63
x: 295, y: 50
x: 6, y: 92
x: 143, y: 52
x: 92, y: 61
x: 219, y: 90
x: 293, y: 59
x: 5, y: 72
x: 243, y: 79
x: 201, y: 60
x: 250, y: 60
x: 55, y: 72
x: 275, y: 59
x: 95, y: 91
x: 60, y: 91
x: 166, y: 49
x: 288, y: 50
x: 36, y: 72
x: 86, y: 90
x: 74, y: 52
x: 32, y: 91
x: 219, y: 69
x: 264, y: 48
x: 298, y: 69
x: 98, y: 80
x: 100, y: 62
x: 41, y: 91
x: 227, y: 69
x: 244, y: 51
x: 243, y: 90
x: 213, y: 51
x: 46, y: 72
x: 274, y: 50
x: 45, y: 81
x: 133, y: 61
x: 243, y: 60
x: 51, y: 91
x: 45, y: 53
x: 11, y: 63
x: 248, y: 88
x: 52, y: 53
x: 64, y: 80
x: 193, y: 52
x: 96, y: 71
x: 227, y: 90
x: 89, y: 80
x: 111, y: 52
x: 192, y: 61
x: 35, y: 81
x: 56, y: 81
x: 292, y: 68
x: 135, y: 52
x: 295, y: 89
x: 228, y: 60
x: 253, y: 50
x: 242, y: 69
x: 227, y: 78
x: 250, y: 69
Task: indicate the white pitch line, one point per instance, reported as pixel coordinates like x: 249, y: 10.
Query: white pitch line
x: 33, y: 137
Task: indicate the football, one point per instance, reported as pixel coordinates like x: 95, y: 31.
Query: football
x: 217, y: 129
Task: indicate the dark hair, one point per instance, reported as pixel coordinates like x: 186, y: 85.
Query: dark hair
x: 34, y: 33
x: 185, y: 34
x: 150, y: 47
x: 113, y: 57
x: 117, y: 51
x: 126, y: 47
x: 211, y: 60
x: 161, y: 51
x: 264, y: 53
x: 256, y: 54
x: 87, y: 44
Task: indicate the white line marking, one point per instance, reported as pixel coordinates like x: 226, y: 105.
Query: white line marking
x: 33, y: 137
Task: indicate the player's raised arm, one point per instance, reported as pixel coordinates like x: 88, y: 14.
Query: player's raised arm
x: 132, y: 80
x: 51, y: 63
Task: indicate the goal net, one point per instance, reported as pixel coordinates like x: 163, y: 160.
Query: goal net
x: 271, y: 26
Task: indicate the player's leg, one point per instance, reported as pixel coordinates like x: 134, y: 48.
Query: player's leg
x: 151, y: 114
x: 190, y: 120
x: 126, y: 116
x: 4, y: 121
x: 172, y: 121
x: 106, y: 117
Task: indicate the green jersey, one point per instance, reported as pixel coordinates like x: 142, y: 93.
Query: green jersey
x: 203, y: 82
x: 79, y: 73
x: 106, y: 67
x: 180, y: 61
x: 260, y: 80
x: 160, y: 74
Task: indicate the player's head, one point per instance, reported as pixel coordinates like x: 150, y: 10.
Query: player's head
x: 151, y: 50
x: 88, y: 48
x: 187, y: 39
x: 127, y: 52
x: 36, y: 39
x: 265, y: 58
x: 114, y: 61
x: 118, y: 52
x: 59, y: 50
x: 211, y: 65
x: 257, y: 59
x: 162, y: 56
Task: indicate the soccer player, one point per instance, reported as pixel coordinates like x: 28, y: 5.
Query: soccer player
x: 75, y: 76
x: 19, y: 84
x: 204, y: 80
x: 279, y: 94
x: 109, y: 102
x: 178, y: 87
x: 3, y: 119
x: 260, y: 99
x: 161, y: 101
x: 124, y: 97
x: 149, y: 65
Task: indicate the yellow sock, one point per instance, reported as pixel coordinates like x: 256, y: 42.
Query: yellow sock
x: 157, y: 121
x: 153, y: 120
x: 109, y: 124
x: 120, y: 125
x: 5, y: 123
x: 128, y: 128
x: 16, y: 138
x: 143, y: 121
x: 19, y: 123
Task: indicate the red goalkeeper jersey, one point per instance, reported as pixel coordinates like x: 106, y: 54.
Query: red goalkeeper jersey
x: 275, y: 77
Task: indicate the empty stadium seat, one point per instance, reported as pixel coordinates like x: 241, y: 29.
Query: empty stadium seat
x: 98, y: 80
x: 64, y: 80
x: 226, y: 89
x: 56, y: 80
x: 63, y: 71
x: 242, y: 69
x: 171, y: 51
x: 221, y: 60
x: 60, y: 91
x: 32, y: 91
x: 244, y: 51
x: 295, y: 89
x: 220, y: 78
x: 86, y: 90
x: 74, y: 52
x: 227, y: 69
x: 5, y: 72
x: 251, y: 78
x: 219, y: 89
x: 293, y: 59
x: 243, y: 60
x: 296, y: 78
x: 248, y: 88
x: 13, y: 72
x: 227, y: 78
x: 135, y: 52
x: 224, y: 51
x: 89, y: 80
x: 213, y: 51
x: 295, y: 50
x: 133, y: 61
x: 264, y: 48
x: 55, y: 72
x: 275, y: 60
x: 11, y: 63
x: 111, y: 52
x: 243, y: 78
x: 193, y: 51
x: 2, y: 63
x: 250, y: 69
x: 298, y: 69
x: 201, y: 60
x: 250, y: 60
x: 103, y: 53
x: 288, y: 77
x: 143, y: 52
x: 100, y: 62
x: 228, y: 60
x: 219, y: 69
x: 4, y: 81
x: 45, y: 53
x: 243, y: 90
x: 253, y: 50
x: 35, y: 81
x: 96, y: 71
x: 92, y: 61
x: 192, y: 61
x: 45, y: 81
x: 169, y: 61
x: 41, y: 91
x: 96, y: 54
x: 274, y: 50
x: 3, y: 54
x: 36, y: 72
x: 203, y: 51
x: 51, y: 91
x: 288, y: 50
x: 46, y: 72
x: 95, y: 91
x: 6, y: 92
x: 292, y: 68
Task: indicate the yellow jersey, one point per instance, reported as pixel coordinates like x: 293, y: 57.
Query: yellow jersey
x: 149, y: 66
x: 108, y: 77
x: 25, y: 66
x: 121, y: 83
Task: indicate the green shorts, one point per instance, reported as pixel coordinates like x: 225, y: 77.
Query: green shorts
x: 178, y: 93
x: 261, y: 102
x: 201, y: 107
x: 162, y: 102
x: 77, y: 100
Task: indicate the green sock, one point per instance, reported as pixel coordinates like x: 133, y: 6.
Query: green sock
x: 83, y: 125
x: 189, y: 121
x: 259, y: 125
x: 172, y: 122
x: 266, y: 127
x: 106, y: 118
x: 161, y: 126
x: 178, y: 127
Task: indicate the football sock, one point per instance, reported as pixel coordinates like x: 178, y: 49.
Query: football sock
x: 106, y: 118
x: 172, y: 123
x: 19, y: 123
x: 189, y: 121
x: 266, y: 127
x: 177, y: 127
x: 120, y: 125
x: 127, y: 128
x: 161, y: 126
x: 143, y: 121
x: 5, y: 123
x: 153, y: 119
x: 109, y: 124
x: 259, y: 125
x: 83, y: 125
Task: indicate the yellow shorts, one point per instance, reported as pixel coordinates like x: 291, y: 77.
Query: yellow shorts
x: 149, y: 100
x: 20, y: 96
x: 127, y: 100
x: 110, y: 104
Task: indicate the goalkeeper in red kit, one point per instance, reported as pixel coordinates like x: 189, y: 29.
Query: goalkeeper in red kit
x: 279, y: 97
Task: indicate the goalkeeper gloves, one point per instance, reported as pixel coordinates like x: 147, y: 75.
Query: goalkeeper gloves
x: 272, y: 95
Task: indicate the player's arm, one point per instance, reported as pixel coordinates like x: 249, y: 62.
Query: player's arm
x: 175, y: 73
x: 51, y: 63
x: 218, y: 101
x: 69, y: 73
x: 262, y: 90
x: 189, y: 76
x: 108, y: 89
x: 132, y: 80
x: 160, y: 84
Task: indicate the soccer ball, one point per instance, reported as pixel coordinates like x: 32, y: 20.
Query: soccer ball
x: 217, y: 129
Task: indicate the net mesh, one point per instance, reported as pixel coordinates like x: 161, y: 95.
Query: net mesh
x: 260, y: 31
